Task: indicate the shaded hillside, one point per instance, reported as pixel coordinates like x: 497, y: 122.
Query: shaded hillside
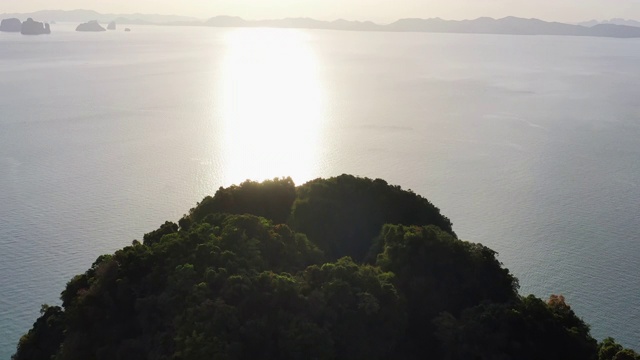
x: 352, y: 210
x: 237, y: 279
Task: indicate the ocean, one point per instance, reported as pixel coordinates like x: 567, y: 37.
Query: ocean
x: 529, y: 144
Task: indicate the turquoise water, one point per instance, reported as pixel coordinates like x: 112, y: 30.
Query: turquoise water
x: 529, y: 144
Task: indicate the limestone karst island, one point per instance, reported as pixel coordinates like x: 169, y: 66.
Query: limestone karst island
x: 29, y: 27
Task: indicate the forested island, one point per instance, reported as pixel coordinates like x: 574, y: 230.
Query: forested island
x: 340, y: 268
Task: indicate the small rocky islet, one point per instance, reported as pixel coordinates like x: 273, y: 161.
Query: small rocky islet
x: 91, y: 26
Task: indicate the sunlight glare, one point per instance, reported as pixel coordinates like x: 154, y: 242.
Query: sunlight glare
x: 272, y: 107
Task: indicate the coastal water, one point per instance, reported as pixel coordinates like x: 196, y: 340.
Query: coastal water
x: 531, y: 145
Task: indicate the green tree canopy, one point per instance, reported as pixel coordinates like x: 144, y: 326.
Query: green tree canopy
x: 344, y: 268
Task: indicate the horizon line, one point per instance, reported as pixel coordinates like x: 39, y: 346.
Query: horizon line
x: 312, y: 18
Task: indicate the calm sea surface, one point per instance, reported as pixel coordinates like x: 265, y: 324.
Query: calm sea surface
x: 531, y: 145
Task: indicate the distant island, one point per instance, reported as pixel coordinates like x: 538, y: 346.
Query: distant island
x: 11, y: 25
x: 29, y: 27
x: 615, y: 28
x: 342, y: 268
x: 91, y: 26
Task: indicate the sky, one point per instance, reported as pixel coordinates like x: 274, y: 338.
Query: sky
x: 375, y: 10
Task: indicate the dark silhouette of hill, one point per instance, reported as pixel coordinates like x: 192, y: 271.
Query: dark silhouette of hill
x: 273, y: 271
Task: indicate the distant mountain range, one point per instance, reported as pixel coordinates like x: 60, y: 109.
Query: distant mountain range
x: 87, y: 15
x: 303, y: 23
x: 614, y: 21
x: 485, y: 25
x: 514, y: 26
x: 617, y: 28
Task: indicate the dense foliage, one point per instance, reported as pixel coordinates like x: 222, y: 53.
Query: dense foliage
x: 343, y: 215
x: 379, y: 275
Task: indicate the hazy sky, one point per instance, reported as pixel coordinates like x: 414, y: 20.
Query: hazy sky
x: 377, y: 10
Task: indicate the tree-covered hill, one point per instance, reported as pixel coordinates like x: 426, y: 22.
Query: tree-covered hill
x: 342, y: 268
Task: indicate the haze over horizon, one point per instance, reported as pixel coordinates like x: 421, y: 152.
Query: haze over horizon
x: 375, y: 10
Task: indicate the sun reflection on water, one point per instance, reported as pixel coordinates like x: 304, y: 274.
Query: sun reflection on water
x: 272, y: 106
